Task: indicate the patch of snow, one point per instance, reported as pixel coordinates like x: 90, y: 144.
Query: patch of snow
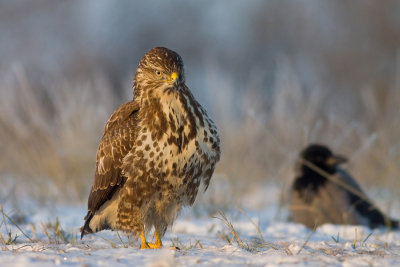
x: 202, y: 239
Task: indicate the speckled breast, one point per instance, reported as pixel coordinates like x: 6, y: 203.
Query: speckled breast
x: 178, y: 142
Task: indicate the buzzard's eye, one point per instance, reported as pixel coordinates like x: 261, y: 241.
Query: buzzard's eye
x: 158, y: 72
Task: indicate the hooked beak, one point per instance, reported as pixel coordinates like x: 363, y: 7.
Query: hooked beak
x: 336, y: 160
x: 173, y: 78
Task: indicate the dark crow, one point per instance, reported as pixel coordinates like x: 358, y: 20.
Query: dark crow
x: 324, y: 193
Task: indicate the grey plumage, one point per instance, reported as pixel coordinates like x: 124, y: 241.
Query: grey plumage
x: 323, y: 193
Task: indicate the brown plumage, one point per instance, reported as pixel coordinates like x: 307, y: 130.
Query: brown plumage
x: 155, y: 152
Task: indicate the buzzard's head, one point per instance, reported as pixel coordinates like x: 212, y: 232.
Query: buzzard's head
x: 159, y: 70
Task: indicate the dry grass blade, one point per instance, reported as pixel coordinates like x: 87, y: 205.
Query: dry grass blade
x: 224, y: 237
x: 336, y: 239
x: 252, y: 222
x: 33, y: 231
x: 260, y: 233
x: 198, y: 244
x: 308, y: 239
x: 355, y: 238
x: 16, y: 225
x: 365, y: 239
x: 108, y: 241
x: 3, y: 241
x: 233, y: 231
x: 120, y: 239
x: 46, y: 233
x: 287, y: 249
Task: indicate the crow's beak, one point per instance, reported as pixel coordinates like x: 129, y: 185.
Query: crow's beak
x: 336, y: 160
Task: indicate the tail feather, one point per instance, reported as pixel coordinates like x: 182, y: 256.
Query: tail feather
x: 85, y: 229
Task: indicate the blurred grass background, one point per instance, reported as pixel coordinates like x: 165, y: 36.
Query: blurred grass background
x: 274, y: 75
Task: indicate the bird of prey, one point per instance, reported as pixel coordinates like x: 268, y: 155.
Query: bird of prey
x: 155, y: 153
x: 322, y: 193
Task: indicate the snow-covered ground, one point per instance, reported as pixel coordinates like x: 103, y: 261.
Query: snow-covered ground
x: 202, y: 240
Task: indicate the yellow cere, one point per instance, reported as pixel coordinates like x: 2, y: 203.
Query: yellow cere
x: 174, y: 75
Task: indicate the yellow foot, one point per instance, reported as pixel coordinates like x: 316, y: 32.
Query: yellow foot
x: 145, y: 245
x: 155, y: 245
x: 150, y: 245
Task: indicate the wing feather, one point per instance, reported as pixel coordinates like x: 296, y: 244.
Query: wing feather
x: 117, y: 141
x: 364, y: 206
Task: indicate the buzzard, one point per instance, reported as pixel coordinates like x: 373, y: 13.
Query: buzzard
x: 155, y: 153
x: 322, y: 193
